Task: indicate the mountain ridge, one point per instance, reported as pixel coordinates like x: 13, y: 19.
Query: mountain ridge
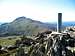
x: 23, y: 25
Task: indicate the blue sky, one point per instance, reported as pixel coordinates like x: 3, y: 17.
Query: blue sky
x: 41, y: 10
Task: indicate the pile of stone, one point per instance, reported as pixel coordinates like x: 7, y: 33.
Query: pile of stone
x: 53, y: 44
x: 47, y: 43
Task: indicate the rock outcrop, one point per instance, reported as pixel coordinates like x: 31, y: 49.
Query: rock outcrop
x: 53, y: 44
x: 47, y: 44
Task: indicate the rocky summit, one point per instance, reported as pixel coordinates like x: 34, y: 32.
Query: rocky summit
x: 53, y: 44
x: 46, y: 43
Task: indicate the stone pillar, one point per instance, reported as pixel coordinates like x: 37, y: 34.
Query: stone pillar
x: 59, y: 24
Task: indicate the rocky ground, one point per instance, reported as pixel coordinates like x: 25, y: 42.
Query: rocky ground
x: 54, y: 44
x: 48, y: 43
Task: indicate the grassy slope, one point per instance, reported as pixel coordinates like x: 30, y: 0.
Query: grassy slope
x: 5, y: 41
x: 8, y: 40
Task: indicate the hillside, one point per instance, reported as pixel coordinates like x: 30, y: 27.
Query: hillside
x: 23, y: 25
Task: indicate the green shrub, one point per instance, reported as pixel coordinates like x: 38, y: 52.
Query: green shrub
x: 9, y: 38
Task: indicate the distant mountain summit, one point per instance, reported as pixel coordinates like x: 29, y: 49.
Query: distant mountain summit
x: 23, y: 25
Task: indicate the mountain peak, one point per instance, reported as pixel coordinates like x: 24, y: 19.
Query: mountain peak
x: 23, y: 25
x: 22, y: 17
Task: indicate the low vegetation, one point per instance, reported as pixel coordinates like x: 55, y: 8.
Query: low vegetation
x: 8, y: 40
x: 9, y: 43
